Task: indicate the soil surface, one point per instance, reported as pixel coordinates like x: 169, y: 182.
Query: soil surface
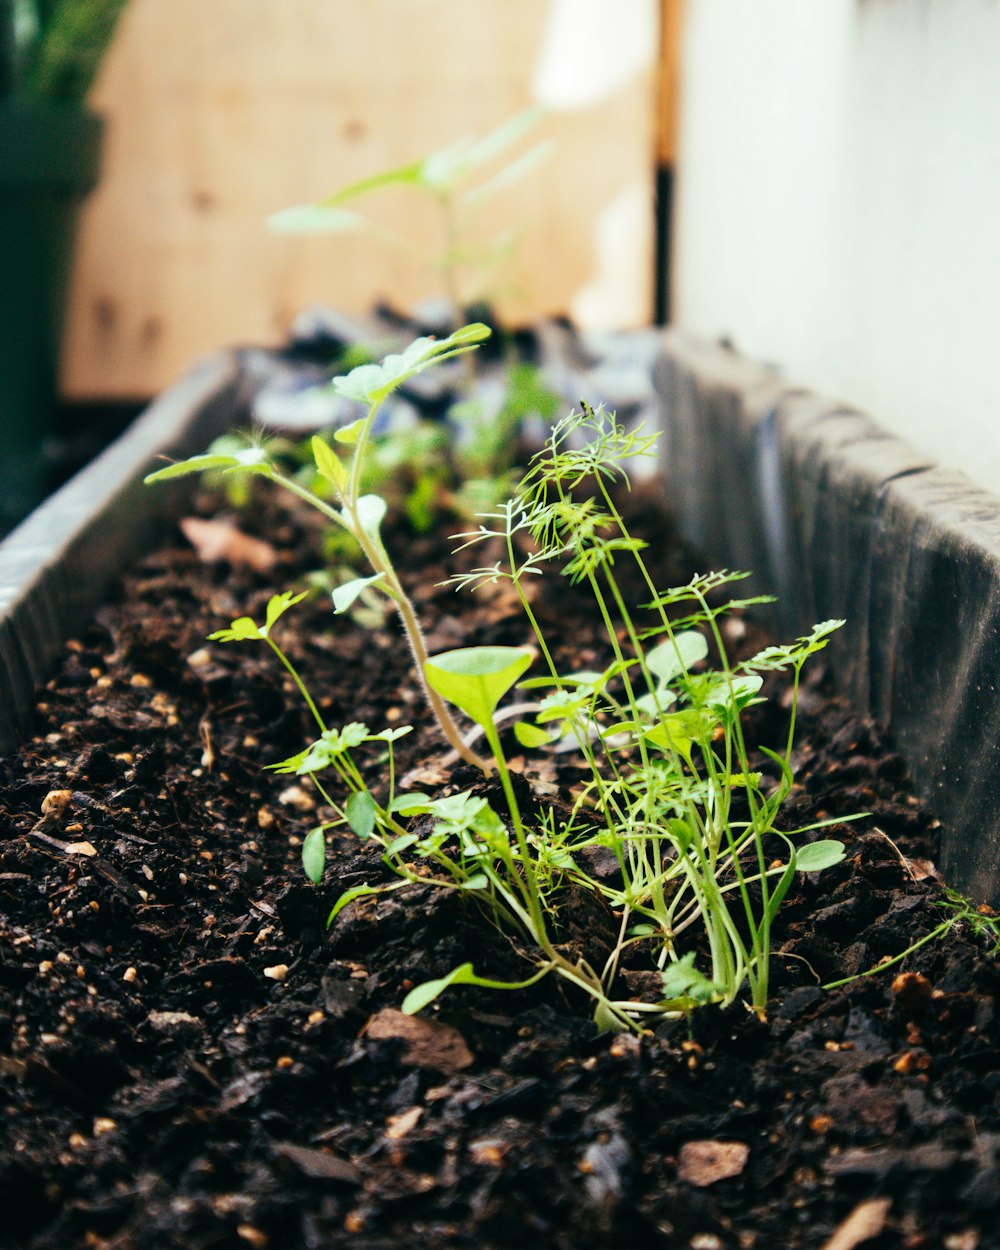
x: 190, y: 1059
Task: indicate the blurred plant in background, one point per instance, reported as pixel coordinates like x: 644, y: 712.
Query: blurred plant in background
x: 52, y: 49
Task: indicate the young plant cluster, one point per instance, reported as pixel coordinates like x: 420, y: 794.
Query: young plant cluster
x: 671, y: 791
x: 463, y: 463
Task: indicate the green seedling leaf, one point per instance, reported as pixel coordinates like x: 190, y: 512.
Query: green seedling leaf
x: 683, y: 980
x: 390, y: 735
x: 794, y: 653
x: 328, y: 463
x: 410, y: 804
x: 371, y: 510
x: 531, y: 736
x: 243, y: 629
x: 733, y: 692
x: 475, y: 679
x: 652, y: 705
x: 510, y: 174
x: 606, y: 1020
x: 314, y: 219
x: 314, y: 854
x: 344, y: 596
x: 403, y: 843
x: 819, y: 855
x: 349, y: 434
x: 361, y: 891
x: 445, y: 170
x: 681, y: 832
x: 360, y: 812
x: 370, y: 384
x: 331, y: 744
x: 595, y: 680
x: 679, y: 732
x: 671, y: 658
x: 423, y: 995
x: 410, y: 174
x: 278, y: 605
x: 479, y: 881
x: 251, y: 459
x: 290, y: 765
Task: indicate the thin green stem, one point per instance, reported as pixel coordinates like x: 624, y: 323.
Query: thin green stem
x: 298, y: 682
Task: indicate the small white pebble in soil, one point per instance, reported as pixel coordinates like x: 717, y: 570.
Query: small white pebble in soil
x: 966, y: 1240
x: 147, y: 872
x: 705, y: 1241
x: 104, y: 1125
x: 140, y: 681
x: 200, y: 658
x: 129, y: 975
x: 277, y: 972
x: 297, y: 798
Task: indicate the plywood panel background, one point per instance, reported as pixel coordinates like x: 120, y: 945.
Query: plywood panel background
x: 223, y: 111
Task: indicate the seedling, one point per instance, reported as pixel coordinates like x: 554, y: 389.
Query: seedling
x: 458, y: 179
x: 959, y: 910
x: 359, y: 515
x: 693, y: 821
x: 467, y: 460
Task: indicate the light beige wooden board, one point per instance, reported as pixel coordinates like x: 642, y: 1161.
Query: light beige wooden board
x: 221, y: 112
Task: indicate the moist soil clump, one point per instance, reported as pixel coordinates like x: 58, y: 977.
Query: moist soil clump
x: 190, y: 1059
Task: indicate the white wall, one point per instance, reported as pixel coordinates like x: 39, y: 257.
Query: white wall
x: 839, y: 205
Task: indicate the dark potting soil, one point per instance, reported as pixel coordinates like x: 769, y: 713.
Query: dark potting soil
x: 190, y: 1059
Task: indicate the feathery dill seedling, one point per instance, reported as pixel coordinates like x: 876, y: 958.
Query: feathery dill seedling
x: 672, y: 790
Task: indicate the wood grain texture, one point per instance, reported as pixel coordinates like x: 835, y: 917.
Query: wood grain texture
x: 669, y: 89
x: 221, y: 113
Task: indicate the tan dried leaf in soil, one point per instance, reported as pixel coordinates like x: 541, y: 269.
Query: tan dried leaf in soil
x: 222, y: 540
x: 80, y: 848
x: 321, y: 1165
x: 703, y: 1163
x: 865, y: 1222
x: 428, y: 1044
x: 399, y: 1125
x: 424, y: 775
